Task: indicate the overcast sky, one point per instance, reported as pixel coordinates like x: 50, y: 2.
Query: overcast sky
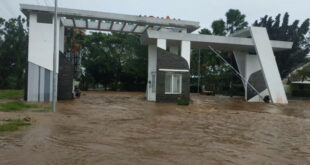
x: 204, y: 11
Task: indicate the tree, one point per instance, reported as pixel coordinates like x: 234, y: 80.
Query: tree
x: 117, y: 61
x: 211, y: 67
x: 219, y: 27
x: 235, y: 21
x: 304, y: 73
x: 290, y: 59
x: 13, y: 55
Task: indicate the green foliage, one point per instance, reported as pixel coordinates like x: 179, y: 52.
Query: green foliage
x: 235, y: 21
x: 183, y: 103
x: 13, y: 53
x: 15, y: 106
x: 116, y: 61
x: 13, y: 125
x: 304, y: 73
x: 219, y: 27
x: 216, y: 75
x: 299, y: 35
x: 300, y: 90
x: 11, y: 94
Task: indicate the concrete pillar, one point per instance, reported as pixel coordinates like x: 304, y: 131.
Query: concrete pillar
x: 162, y: 43
x: 174, y: 50
x: 40, y: 56
x: 268, y: 64
x: 241, y: 63
x: 186, y: 51
x: 152, y: 65
x: 62, y: 38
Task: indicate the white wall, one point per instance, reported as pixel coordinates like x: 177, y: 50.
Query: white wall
x: 41, y: 43
x: 247, y: 65
x: 162, y: 43
x: 186, y: 51
x: 252, y: 65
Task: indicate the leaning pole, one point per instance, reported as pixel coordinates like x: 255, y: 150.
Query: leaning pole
x: 54, y: 93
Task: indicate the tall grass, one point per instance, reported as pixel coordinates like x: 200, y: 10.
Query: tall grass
x: 13, y: 125
x: 11, y: 94
x: 15, y: 106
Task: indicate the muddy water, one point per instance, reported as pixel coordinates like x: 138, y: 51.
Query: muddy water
x: 123, y: 128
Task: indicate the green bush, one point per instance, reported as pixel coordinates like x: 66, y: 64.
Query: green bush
x: 298, y: 90
x: 183, y: 102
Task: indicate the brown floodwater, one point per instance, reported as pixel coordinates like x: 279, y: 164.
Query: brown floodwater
x: 123, y: 128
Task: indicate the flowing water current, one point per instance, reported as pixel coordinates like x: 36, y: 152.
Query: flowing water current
x: 123, y: 128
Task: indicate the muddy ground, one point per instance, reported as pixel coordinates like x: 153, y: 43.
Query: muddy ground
x: 123, y: 128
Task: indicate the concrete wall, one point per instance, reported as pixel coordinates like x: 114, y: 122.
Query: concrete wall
x: 40, y: 58
x: 39, y: 86
x: 65, y: 78
x: 41, y: 43
x: 249, y: 67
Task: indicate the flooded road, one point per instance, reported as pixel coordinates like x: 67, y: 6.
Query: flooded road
x: 123, y: 128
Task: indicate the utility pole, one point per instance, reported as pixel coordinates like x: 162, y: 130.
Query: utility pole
x: 54, y: 99
x: 199, y: 72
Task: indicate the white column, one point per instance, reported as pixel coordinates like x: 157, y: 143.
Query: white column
x: 268, y: 65
x: 241, y: 63
x: 152, y: 65
x: 186, y: 51
x: 174, y: 50
x: 162, y: 43
x: 62, y: 38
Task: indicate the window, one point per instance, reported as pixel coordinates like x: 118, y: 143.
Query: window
x: 173, y: 83
x: 44, y: 18
x: 153, y: 82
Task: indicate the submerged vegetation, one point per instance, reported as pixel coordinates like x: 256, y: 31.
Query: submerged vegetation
x: 13, y: 125
x: 182, y: 102
x: 15, y: 106
x: 11, y: 94
x: 44, y: 109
